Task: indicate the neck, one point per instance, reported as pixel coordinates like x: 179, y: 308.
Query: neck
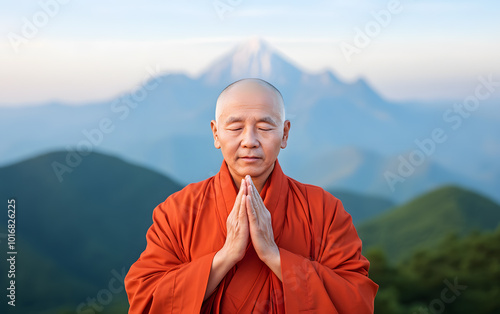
x: 258, y: 181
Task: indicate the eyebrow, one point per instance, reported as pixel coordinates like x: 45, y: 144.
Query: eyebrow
x: 239, y: 119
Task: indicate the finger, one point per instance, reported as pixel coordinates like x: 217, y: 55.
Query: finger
x: 261, y: 212
x: 242, y: 191
x: 241, y: 208
x: 245, y: 186
x: 250, y: 184
x: 250, y: 210
x: 255, y: 200
x: 243, y: 205
x: 243, y: 211
x: 249, y: 180
x: 251, y: 200
x: 255, y: 193
x: 238, y: 199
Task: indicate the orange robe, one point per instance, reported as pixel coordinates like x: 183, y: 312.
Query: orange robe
x: 322, y: 267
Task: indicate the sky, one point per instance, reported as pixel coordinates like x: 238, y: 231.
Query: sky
x: 82, y: 51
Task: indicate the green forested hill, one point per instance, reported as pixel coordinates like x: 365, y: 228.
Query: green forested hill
x: 425, y: 220
x: 72, y: 235
x: 458, y: 275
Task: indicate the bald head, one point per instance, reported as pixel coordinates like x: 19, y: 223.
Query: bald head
x: 247, y: 88
x: 250, y: 129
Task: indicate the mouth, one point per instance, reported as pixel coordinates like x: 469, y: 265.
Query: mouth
x: 250, y: 158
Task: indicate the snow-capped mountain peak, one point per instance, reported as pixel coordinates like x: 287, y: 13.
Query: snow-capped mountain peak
x: 252, y: 58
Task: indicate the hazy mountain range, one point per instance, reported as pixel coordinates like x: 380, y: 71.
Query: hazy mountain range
x: 344, y: 134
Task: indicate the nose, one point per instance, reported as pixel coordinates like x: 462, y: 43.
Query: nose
x: 249, y: 138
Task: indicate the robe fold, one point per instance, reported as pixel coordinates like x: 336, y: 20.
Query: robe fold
x: 322, y: 268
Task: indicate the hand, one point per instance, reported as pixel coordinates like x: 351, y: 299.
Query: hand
x: 261, y: 229
x: 235, y: 247
x: 237, y: 237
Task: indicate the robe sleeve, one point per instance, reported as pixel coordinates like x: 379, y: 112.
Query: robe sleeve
x: 336, y: 279
x: 163, y: 280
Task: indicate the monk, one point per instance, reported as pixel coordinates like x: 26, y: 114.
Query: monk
x: 251, y: 239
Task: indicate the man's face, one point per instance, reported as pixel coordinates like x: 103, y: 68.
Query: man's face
x: 250, y: 131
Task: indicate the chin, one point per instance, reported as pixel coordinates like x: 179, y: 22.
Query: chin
x: 254, y: 171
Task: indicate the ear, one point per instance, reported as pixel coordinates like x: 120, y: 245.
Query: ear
x: 286, y: 130
x: 213, y: 125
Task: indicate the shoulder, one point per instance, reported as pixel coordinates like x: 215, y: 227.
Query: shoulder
x: 323, y: 207
x: 191, y: 191
x: 184, y: 201
x: 311, y: 191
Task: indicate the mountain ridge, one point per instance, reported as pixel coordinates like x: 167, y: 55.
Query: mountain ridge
x: 427, y: 219
x: 167, y: 125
